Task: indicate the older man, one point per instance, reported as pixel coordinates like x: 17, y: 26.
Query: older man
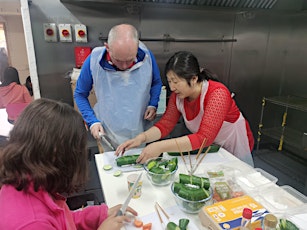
x: 127, y: 84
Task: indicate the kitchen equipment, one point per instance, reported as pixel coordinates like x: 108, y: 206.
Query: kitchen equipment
x: 106, y: 140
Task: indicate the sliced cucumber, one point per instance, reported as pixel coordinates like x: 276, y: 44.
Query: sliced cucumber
x: 107, y: 167
x: 117, y: 173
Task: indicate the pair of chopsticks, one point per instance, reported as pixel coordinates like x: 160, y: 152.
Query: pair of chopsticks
x: 157, y: 207
x: 193, y: 169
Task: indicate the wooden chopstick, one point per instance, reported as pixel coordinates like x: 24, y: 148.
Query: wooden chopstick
x: 181, y: 154
x: 203, y: 144
x: 201, y: 159
x: 160, y: 218
x: 164, y: 212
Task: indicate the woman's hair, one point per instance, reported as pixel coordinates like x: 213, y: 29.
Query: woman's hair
x: 185, y: 65
x: 47, y: 147
x: 10, y: 75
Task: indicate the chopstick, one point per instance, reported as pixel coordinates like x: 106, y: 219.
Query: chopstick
x: 160, y: 218
x: 201, y: 147
x: 164, y: 212
x: 181, y: 154
x: 201, y: 159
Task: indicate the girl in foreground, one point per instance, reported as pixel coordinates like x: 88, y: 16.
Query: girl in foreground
x: 46, y: 156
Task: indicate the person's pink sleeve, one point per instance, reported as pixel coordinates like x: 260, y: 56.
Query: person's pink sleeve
x: 90, y: 217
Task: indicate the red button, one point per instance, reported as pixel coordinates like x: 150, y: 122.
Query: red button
x: 81, y: 33
x: 49, y: 32
x: 65, y: 33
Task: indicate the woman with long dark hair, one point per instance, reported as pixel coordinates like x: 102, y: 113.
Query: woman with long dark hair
x: 208, y: 110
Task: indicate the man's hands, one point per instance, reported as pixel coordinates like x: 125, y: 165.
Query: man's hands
x: 96, y: 129
x: 150, y: 113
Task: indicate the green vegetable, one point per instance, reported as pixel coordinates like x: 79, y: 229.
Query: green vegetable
x: 126, y: 160
x: 202, y: 182
x: 287, y: 225
x: 117, y: 173
x: 194, y: 194
x: 214, y: 148
x: 172, y: 226
x: 183, y: 223
x: 107, y: 167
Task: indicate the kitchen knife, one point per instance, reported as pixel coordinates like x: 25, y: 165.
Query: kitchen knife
x: 122, y: 210
x: 103, y: 138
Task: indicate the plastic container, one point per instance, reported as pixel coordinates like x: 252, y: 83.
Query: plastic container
x: 255, y: 181
x: 281, y: 199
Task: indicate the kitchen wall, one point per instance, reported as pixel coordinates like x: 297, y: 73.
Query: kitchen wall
x: 263, y: 52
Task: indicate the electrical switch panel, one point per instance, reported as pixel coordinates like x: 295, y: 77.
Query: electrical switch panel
x: 65, y: 32
x: 50, y: 32
x: 80, y: 33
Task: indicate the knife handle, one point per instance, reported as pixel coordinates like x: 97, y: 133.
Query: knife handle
x: 119, y: 213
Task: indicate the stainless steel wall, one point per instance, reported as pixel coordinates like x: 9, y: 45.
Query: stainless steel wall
x: 267, y: 58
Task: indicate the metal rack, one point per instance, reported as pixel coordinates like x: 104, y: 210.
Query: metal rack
x: 294, y: 138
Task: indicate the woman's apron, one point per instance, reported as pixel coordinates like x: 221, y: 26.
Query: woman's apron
x: 232, y: 136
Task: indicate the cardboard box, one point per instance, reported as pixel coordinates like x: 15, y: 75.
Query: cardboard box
x: 74, y: 77
x: 227, y: 214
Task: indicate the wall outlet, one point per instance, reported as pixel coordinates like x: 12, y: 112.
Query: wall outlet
x: 80, y: 33
x: 65, y: 32
x: 50, y: 32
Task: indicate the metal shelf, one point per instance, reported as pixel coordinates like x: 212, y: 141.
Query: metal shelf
x: 298, y: 103
x: 292, y: 137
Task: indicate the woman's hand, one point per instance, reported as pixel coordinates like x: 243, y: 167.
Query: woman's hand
x: 114, y: 222
x: 150, y: 151
x: 132, y: 143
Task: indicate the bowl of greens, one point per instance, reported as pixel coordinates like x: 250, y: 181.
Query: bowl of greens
x: 161, y: 171
x: 191, y: 193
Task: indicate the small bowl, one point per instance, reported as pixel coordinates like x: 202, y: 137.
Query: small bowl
x: 164, y: 174
x: 189, y: 206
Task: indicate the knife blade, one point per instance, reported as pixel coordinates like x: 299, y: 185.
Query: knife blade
x: 103, y: 138
x: 122, y: 210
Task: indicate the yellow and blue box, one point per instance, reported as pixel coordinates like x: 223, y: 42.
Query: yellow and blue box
x: 228, y: 214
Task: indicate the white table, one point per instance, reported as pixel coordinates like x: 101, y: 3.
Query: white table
x: 115, y: 189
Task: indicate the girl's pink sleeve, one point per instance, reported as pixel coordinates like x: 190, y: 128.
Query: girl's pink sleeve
x: 90, y: 217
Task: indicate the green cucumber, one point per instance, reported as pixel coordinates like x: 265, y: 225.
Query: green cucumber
x: 195, y: 194
x: 287, y: 225
x: 107, y: 167
x: 213, y: 149
x: 202, y: 182
x: 183, y: 223
x: 117, y: 173
x: 126, y: 160
x: 172, y: 226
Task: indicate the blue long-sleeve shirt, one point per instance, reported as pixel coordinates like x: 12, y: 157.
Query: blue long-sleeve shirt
x: 85, y: 84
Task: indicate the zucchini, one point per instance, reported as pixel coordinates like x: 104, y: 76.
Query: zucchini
x: 287, y: 225
x: 195, y: 194
x: 183, y: 223
x: 172, y: 226
x: 214, y: 148
x: 126, y: 160
x: 202, y: 182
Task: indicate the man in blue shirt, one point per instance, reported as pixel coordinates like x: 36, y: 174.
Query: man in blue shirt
x: 127, y: 84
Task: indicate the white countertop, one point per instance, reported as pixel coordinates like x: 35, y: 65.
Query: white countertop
x: 115, y: 189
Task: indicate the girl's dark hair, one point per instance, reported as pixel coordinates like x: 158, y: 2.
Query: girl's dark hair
x: 185, y: 65
x: 10, y: 75
x: 47, y: 147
